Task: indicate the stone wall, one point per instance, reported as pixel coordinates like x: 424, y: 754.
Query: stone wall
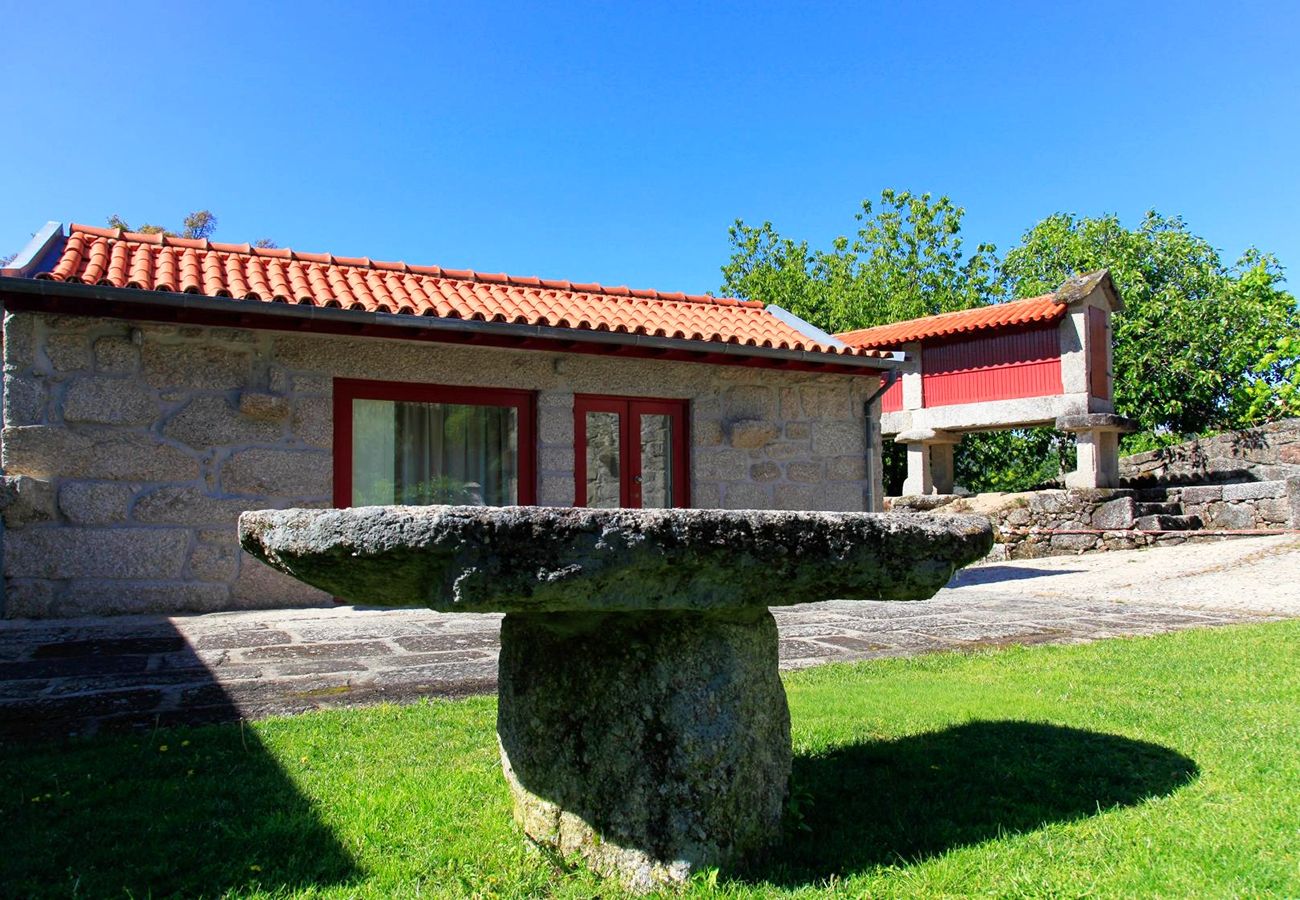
x: 1029, y: 525
x: 1268, y: 453
x: 130, y: 450
x: 1060, y: 522
x: 1254, y: 504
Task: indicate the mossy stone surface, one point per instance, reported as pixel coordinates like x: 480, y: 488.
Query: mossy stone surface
x: 556, y: 559
x: 649, y: 744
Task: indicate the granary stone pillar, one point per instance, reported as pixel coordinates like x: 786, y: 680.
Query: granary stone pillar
x: 1097, y: 443
x: 929, y: 460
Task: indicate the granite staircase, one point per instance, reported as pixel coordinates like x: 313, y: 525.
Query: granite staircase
x: 1154, y: 511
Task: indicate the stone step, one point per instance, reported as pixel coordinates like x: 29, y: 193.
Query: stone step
x: 1167, y: 523
x: 1152, y: 495
x: 1159, y: 509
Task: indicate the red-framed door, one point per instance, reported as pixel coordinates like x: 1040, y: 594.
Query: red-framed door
x: 630, y: 452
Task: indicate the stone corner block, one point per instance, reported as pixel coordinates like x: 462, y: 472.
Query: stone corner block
x: 1096, y: 422
x: 25, y: 501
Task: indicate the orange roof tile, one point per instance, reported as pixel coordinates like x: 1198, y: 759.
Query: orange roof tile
x: 152, y: 262
x: 996, y: 315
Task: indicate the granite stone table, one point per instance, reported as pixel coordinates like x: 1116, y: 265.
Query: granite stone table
x: 642, y: 721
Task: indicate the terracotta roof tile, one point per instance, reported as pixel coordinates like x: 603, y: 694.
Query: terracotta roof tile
x: 152, y: 262
x: 997, y: 315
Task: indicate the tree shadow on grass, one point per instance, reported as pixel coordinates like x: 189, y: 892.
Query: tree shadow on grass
x: 180, y: 812
x: 902, y: 801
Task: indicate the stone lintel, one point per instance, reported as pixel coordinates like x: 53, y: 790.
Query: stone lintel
x: 1096, y: 422
x: 928, y: 436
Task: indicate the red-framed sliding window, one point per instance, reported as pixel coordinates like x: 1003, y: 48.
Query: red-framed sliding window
x: 398, y: 442
x: 630, y: 452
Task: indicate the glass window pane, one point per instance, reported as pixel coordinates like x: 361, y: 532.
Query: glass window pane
x: 424, y: 453
x: 603, y: 475
x: 656, y: 462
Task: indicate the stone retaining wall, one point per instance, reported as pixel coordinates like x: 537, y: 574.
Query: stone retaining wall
x: 1268, y: 453
x: 1252, y: 504
x: 1062, y: 522
x: 130, y: 450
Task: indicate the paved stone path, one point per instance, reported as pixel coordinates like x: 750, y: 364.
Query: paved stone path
x: 80, y: 676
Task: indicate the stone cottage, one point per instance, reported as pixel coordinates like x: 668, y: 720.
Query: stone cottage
x: 155, y: 387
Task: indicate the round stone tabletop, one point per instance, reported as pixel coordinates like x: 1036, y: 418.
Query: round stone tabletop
x: 561, y: 559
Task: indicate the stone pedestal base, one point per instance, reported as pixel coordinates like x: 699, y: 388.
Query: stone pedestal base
x: 930, y: 467
x: 651, y: 744
x: 1097, y: 445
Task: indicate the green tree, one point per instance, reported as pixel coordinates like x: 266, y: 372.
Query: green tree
x: 198, y: 225
x: 905, y: 260
x: 1200, y: 345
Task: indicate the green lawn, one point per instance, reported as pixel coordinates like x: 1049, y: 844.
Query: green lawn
x: 1157, y: 766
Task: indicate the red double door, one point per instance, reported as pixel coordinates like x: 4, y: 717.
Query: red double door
x: 630, y: 452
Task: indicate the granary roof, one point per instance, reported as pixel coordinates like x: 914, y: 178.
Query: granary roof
x: 1016, y: 314
x: 997, y: 315
x: 130, y: 261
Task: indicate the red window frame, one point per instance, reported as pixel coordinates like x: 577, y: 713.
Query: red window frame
x: 348, y: 389
x: 630, y: 409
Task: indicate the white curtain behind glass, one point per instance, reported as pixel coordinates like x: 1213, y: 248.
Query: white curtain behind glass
x: 423, y: 453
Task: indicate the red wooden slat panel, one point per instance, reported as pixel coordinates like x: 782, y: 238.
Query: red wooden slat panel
x: 999, y: 367
x: 892, y: 399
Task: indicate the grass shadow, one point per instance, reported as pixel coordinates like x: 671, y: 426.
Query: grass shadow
x: 179, y: 811
x: 902, y: 801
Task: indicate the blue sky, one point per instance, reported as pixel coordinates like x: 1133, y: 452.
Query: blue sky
x: 615, y: 143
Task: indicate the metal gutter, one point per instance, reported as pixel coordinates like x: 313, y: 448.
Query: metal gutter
x: 422, y: 325
x: 874, y: 460
x: 44, y: 246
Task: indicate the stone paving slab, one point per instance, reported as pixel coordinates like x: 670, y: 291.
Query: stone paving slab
x: 67, y: 677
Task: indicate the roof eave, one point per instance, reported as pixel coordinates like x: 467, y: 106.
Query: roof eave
x: 294, y: 316
x: 39, y: 254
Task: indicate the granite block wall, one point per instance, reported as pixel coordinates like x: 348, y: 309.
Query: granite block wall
x: 1063, y: 522
x: 129, y: 449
